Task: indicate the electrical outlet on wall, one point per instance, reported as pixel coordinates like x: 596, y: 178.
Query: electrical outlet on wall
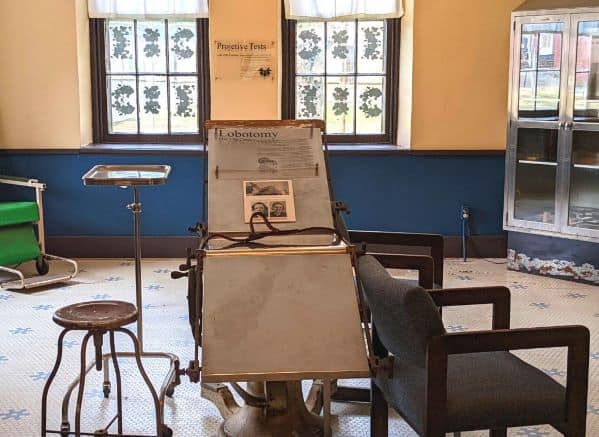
x: 465, y: 212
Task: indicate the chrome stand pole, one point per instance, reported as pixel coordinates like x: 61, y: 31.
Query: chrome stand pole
x: 135, y: 208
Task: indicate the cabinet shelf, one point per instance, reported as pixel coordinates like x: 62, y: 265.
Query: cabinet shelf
x: 548, y: 163
x: 587, y: 166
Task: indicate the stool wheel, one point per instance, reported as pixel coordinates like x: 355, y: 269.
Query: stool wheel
x: 170, y: 390
x: 166, y: 431
x: 65, y: 429
x: 106, y: 389
x: 41, y: 265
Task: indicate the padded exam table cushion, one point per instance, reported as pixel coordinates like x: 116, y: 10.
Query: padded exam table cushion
x: 16, y: 213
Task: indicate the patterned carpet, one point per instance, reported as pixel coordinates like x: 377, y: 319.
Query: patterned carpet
x: 28, y: 346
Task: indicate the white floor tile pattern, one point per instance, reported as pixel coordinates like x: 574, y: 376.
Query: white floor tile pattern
x: 28, y: 346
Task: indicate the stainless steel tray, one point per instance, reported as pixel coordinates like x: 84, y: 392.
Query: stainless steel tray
x: 127, y: 175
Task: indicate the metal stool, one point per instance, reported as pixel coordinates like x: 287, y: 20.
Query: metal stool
x: 97, y: 318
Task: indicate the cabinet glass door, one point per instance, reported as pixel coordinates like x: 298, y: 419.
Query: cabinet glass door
x: 583, y: 208
x: 536, y: 176
x: 581, y: 193
x: 540, y: 70
x: 586, y: 95
x: 539, y: 81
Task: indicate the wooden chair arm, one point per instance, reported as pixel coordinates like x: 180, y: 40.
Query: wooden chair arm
x: 499, y: 297
x: 434, y: 242
x: 575, y: 338
x: 424, y: 264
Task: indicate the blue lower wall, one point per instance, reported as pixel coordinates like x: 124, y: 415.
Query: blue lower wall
x: 415, y: 193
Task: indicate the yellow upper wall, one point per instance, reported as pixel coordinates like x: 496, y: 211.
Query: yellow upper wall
x: 460, y: 80
x: 459, y: 69
x: 42, y: 102
x: 244, y: 20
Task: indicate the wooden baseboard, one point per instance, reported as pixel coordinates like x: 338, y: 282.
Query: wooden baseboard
x: 479, y: 246
x: 118, y: 247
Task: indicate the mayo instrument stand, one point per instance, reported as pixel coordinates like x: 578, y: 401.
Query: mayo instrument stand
x: 133, y: 176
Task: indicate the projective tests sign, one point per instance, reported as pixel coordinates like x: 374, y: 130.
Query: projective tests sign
x: 245, y: 60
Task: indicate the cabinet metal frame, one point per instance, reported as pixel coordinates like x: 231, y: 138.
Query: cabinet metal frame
x: 565, y: 124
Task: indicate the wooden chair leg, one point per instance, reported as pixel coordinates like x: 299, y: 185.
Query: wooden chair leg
x: 498, y: 432
x: 379, y: 413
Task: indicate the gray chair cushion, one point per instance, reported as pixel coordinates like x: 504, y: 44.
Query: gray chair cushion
x: 484, y: 391
x: 405, y: 315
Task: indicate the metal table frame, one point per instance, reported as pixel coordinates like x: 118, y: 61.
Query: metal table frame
x: 319, y: 398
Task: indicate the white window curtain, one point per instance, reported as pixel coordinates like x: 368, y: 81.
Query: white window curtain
x: 342, y: 9
x: 145, y: 9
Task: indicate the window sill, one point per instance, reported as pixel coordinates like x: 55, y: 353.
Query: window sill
x: 365, y: 149
x: 195, y: 149
x: 389, y: 149
x: 145, y: 149
x: 198, y: 149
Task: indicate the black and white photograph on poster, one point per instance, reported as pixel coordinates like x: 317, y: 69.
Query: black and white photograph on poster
x: 273, y: 198
x: 267, y: 188
x: 278, y: 209
x: 260, y: 207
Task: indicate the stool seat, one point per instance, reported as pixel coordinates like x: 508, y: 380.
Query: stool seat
x: 103, y: 314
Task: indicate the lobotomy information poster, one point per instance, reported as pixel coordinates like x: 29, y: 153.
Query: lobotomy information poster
x: 244, y: 60
x: 283, y: 166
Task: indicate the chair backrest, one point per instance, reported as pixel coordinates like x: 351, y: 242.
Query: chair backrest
x: 405, y: 315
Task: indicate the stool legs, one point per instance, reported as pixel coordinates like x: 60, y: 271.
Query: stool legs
x: 50, y: 379
x: 160, y: 430
x: 82, y: 375
x: 117, y: 372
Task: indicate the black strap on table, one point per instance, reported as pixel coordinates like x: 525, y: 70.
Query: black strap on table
x: 251, y: 239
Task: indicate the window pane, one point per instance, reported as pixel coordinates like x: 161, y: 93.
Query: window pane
x: 153, y: 117
x: 151, y: 53
x: 528, y: 85
x: 371, y: 47
x: 586, y: 103
x: 341, y: 47
x: 548, y: 87
x: 182, y: 44
x: 310, y: 48
x: 184, y: 104
x: 120, y: 46
x: 540, y: 70
x: 310, y: 97
x: 123, y: 104
x: 370, y: 105
x: 340, y: 104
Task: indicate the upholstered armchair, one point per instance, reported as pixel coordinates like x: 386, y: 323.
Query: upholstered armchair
x: 386, y: 247
x: 442, y: 382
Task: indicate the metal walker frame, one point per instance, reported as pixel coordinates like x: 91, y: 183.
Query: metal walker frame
x: 41, y: 280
